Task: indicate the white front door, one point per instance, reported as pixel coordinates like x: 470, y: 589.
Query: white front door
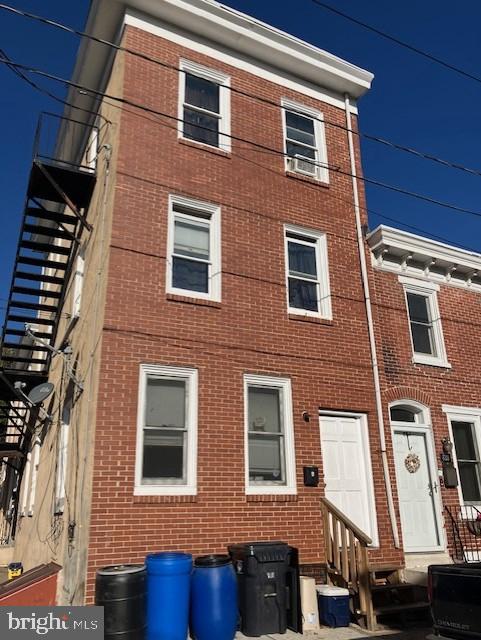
x: 347, y: 469
x: 417, y: 491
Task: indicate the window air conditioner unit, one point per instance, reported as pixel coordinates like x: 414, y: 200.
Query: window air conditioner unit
x: 299, y: 164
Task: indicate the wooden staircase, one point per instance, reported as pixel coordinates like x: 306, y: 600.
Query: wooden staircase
x: 377, y: 592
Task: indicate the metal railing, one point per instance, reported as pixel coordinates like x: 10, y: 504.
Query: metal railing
x: 66, y: 143
x: 465, y: 524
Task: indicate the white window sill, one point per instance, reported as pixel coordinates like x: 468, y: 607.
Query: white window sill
x: 186, y: 293
x: 165, y: 490
x: 432, y: 362
x: 324, y: 181
x: 221, y: 150
x: 271, y: 490
x: 304, y: 313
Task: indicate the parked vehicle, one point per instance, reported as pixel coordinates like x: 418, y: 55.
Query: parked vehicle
x: 455, y: 597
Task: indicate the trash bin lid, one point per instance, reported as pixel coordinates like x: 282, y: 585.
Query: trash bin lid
x: 214, y: 560
x: 328, y: 590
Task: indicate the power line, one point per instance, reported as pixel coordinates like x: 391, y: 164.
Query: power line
x: 138, y: 54
x: 22, y: 76
x: 131, y: 103
x: 367, y: 210
x: 399, y: 42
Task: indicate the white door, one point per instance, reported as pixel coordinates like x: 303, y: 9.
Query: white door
x: 416, y: 490
x: 347, y: 469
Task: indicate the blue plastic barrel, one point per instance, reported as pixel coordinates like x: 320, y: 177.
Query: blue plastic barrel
x: 168, y: 590
x: 213, y: 609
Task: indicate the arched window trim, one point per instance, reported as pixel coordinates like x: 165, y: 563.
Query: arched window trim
x: 421, y: 410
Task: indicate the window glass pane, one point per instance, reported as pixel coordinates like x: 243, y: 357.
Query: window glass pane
x: 266, y: 458
x: 300, y: 128
x: 264, y: 410
x: 190, y: 275
x: 422, y: 339
x: 403, y: 414
x: 464, y: 441
x: 469, y: 478
x: 201, y: 127
x: 302, y: 259
x: 165, y: 403
x: 191, y: 239
x: 303, y: 294
x: 298, y: 150
x: 163, y: 455
x: 201, y: 93
x: 418, y: 308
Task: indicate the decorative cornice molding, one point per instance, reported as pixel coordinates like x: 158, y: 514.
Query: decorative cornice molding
x: 424, y: 259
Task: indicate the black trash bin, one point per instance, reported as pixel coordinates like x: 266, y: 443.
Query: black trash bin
x: 268, y: 587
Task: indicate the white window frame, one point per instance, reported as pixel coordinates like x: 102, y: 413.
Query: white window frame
x: 34, y: 475
x: 322, y: 266
x: 429, y: 291
x: 62, y: 458
x: 215, y: 262
x: 78, y: 280
x: 284, y: 384
x: 463, y: 414
x: 322, y: 170
x: 168, y: 372
x: 224, y: 116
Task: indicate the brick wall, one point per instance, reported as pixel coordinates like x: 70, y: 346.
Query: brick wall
x: 248, y: 332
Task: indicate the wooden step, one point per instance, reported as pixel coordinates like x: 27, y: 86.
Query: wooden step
x: 399, y: 608
x: 393, y: 586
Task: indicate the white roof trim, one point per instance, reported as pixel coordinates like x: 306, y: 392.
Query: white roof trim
x: 422, y: 258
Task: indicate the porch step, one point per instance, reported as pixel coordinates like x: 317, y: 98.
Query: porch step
x: 400, y: 608
x: 392, y: 586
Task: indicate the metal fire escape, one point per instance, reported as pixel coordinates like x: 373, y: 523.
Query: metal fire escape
x: 59, y: 191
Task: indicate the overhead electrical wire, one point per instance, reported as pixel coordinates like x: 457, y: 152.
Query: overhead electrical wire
x: 401, y: 43
x: 372, y: 181
x: 143, y: 56
x: 17, y: 72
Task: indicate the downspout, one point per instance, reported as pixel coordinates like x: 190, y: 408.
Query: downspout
x: 370, y: 326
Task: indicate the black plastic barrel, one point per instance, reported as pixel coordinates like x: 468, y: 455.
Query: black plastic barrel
x: 120, y: 589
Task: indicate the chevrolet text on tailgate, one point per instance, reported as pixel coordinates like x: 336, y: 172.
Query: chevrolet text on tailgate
x: 455, y: 597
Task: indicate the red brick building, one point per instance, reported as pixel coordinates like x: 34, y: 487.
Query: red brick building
x: 218, y: 311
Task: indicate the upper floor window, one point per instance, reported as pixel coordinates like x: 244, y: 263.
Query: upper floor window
x: 270, y: 458
x: 307, y: 272
x: 167, y: 431
x: 424, y: 322
x: 304, y: 139
x: 193, y: 252
x: 204, y: 105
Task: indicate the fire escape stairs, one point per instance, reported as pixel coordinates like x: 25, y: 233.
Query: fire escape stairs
x: 58, y: 195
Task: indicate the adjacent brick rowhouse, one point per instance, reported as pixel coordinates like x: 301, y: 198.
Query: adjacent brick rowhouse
x: 433, y: 387
x: 328, y: 362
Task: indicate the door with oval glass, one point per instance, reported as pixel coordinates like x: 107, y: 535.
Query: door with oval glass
x: 417, y: 490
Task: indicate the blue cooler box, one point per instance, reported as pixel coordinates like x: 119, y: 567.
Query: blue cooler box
x: 333, y: 605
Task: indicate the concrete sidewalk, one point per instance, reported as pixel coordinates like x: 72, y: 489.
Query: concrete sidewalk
x: 347, y: 633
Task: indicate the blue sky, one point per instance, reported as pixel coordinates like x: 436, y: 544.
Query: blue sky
x: 413, y: 102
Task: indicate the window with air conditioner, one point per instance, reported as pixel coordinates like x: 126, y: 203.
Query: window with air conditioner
x: 204, y: 105
x: 304, y: 141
